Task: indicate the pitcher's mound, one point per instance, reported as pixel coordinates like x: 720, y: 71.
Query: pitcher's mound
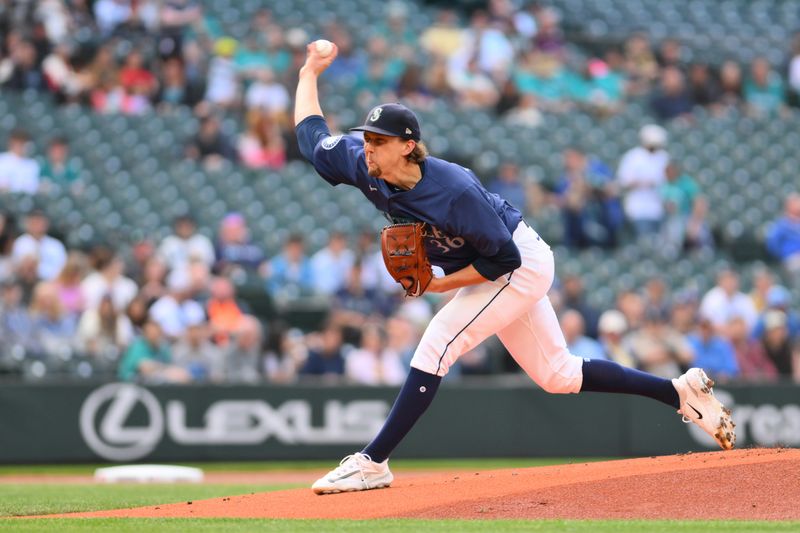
x: 743, y: 484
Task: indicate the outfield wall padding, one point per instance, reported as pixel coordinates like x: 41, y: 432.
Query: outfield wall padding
x: 127, y: 423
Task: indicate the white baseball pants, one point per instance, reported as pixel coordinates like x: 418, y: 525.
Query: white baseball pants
x: 517, y: 309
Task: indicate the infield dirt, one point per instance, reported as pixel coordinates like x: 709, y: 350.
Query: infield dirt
x: 753, y: 484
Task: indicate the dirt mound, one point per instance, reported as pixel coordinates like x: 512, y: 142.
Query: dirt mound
x: 742, y: 484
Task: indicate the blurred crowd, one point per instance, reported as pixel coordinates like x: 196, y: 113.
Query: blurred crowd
x: 171, y: 312
x: 143, y: 56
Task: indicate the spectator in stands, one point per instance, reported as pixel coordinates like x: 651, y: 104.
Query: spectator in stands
x: 235, y: 251
x: 8, y: 234
x: 472, y: 87
x: 763, y: 281
x: 289, y: 275
x: 18, y: 172
x: 136, y: 259
x: 411, y: 87
x: 574, y: 297
x: 698, y: 235
x: 222, y: 85
x: 670, y: 54
x: 137, y: 312
x: 383, y: 70
x: 225, y: 315
x: 713, y: 352
x: 703, y: 89
x: 779, y: 299
x: 276, y: 49
x: 16, y: 325
x: 55, y: 18
x: 396, y: 30
x: 672, y: 100
x: 354, y: 304
x: 526, y: 113
x: 597, y: 87
x: 684, y: 311
x: 261, y: 145
x: 111, y: 14
x: 176, y: 17
x: 185, y: 244
x: 632, y: 306
x: 372, y: 363
x: 48, y: 253
x: 508, y: 185
x: 332, y: 264
x: 641, y: 173
x: 61, y: 78
x: 350, y: 63
x: 68, y: 283
x: 754, y: 365
x: 640, y: 63
x: 267, y: 94
x: 549, y: 38
x: 24, y: 71
x: 104, y: 332
x: 783, y: 236
x: 763, y: 92
x: 285, y: 353
x: 659, y: 349
x: 176, y: 310
x: 195, y: 352
x: 573, y: 326
x: 442, y: 38
x: 210, y: 145
x: 780, y: 349
x: 589, y: 201
x: 250, y: 58
x: 57, y: 171
x: 101, y: 76
x: 655, y: 295
x: 325, y: 357
x: 374, y: 275
x: 612, y: 328
x: 243, y: 358
x: 153, y: 283
x: 175, y: 88
x: 678, y: 195
x: 149, y: 359
x: 138, y: 83
x: 731, y: 90
x: 53, y: 327
x: 725, y: 301
x: 107, y: 278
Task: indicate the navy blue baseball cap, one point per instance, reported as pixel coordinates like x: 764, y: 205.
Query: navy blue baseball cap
x: 395, y: 120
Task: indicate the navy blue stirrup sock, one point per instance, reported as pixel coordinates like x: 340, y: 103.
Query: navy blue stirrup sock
x: 414, y: 398
x: 607, y: 376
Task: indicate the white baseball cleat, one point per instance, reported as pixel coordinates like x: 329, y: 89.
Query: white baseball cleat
x: 699, y: 405
x: 355, y: 472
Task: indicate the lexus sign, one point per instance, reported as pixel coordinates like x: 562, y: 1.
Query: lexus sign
x: 106, y: 426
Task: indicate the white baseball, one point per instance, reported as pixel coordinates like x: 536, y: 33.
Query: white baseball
x: 324, y: 47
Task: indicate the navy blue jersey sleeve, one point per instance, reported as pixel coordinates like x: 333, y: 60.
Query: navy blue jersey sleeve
x: 336, y: 158
x: 473, y: 218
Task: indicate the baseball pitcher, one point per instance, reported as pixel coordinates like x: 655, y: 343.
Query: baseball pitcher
x: 501, y: 267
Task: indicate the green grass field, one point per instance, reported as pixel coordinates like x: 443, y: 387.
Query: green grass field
x: 39, y: 499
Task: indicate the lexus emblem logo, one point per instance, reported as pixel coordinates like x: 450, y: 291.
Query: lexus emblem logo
x: 111, y: 437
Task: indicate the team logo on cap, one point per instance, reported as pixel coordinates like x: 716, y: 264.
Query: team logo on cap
x: 376, y: 114
x: 408, y: 131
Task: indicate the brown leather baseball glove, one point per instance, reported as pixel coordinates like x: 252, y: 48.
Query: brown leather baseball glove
x: 405, y: 257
